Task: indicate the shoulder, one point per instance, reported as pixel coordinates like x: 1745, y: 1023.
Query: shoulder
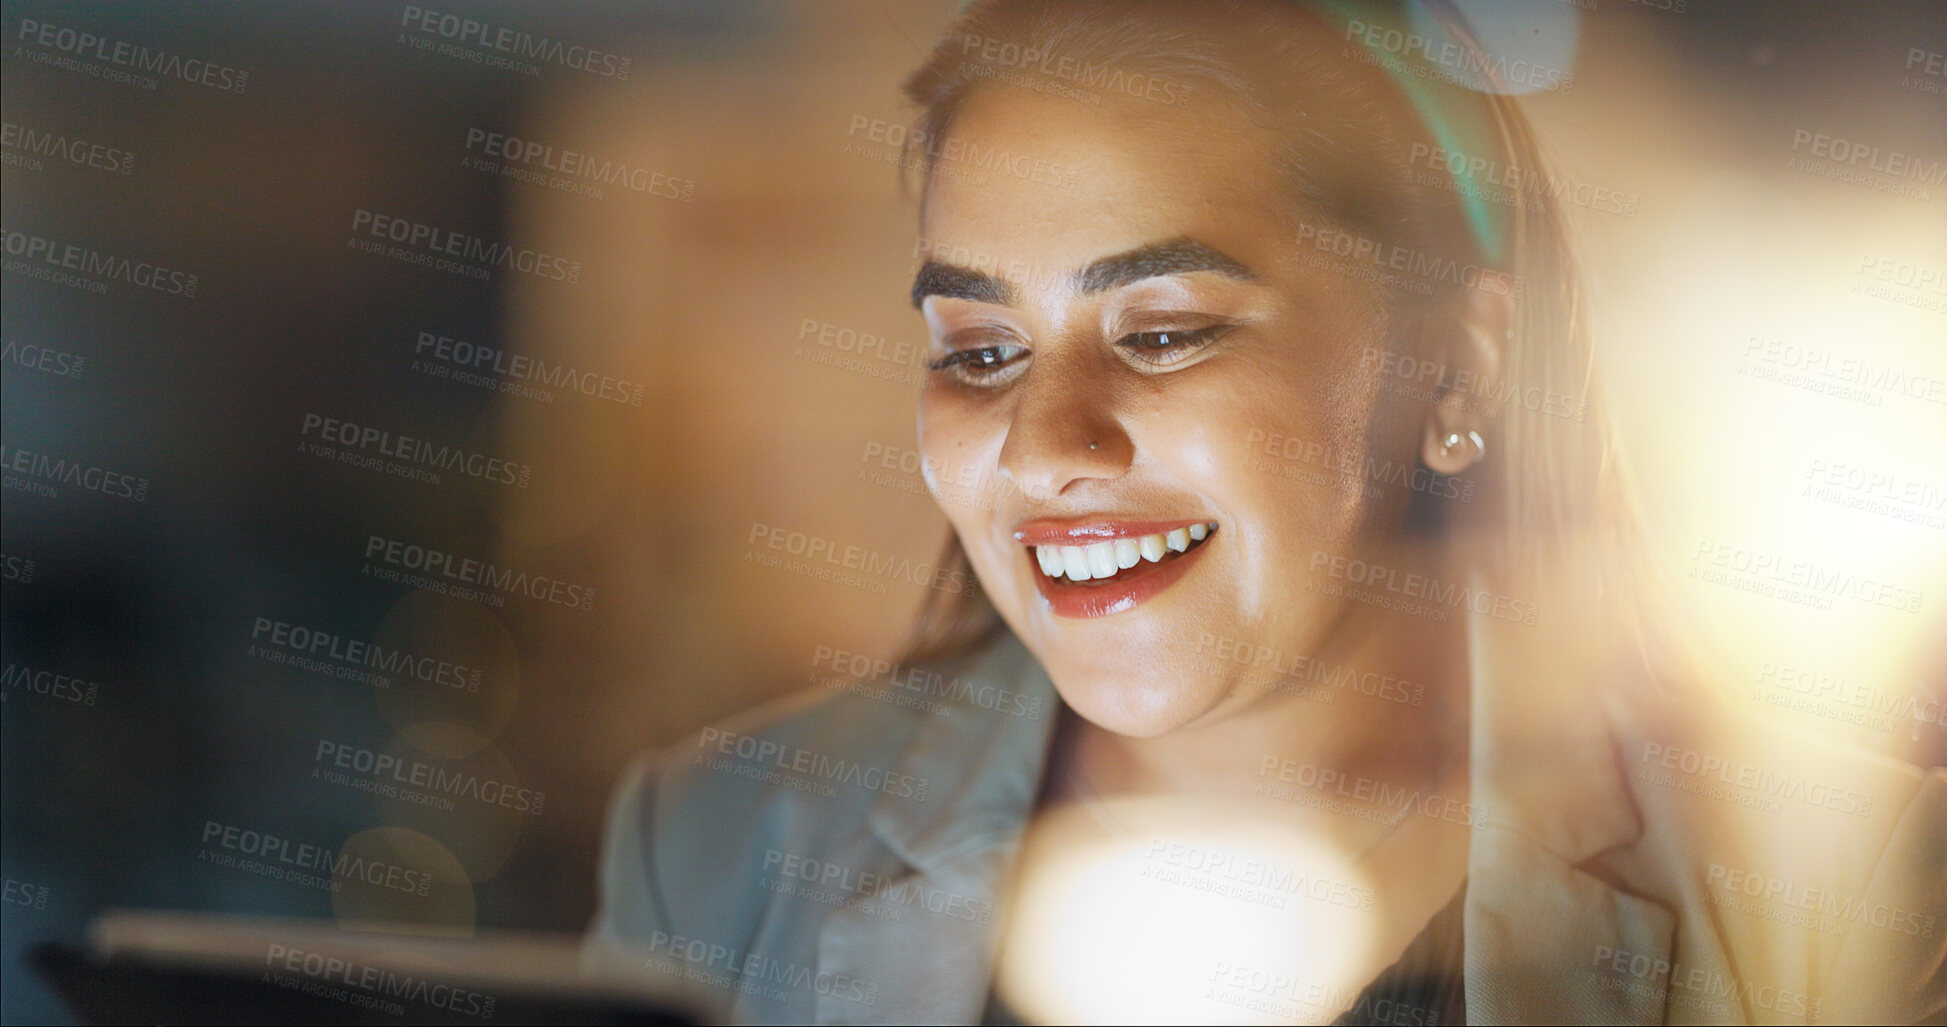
x: 772, y: 772
x: 1801, y: 858
x: 698, y: 828
x: 1699, y: 768
x: 832, y: 746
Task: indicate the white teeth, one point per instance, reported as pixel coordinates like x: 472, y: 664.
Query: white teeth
x: 1101, y: 559
x: 1105, y: 559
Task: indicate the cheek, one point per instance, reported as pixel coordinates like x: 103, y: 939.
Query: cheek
x: 960, y: 442
x: 1244, y: 435
x: 1278, y: 448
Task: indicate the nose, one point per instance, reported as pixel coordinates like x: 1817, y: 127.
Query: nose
x: 1063, y: 431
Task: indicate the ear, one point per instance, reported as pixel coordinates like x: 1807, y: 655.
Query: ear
x: 1468, y: 336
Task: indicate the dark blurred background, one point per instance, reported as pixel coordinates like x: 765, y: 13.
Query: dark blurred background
x: 698, y: 339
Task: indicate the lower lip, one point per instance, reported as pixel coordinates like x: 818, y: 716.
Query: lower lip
x: 1126, y: 592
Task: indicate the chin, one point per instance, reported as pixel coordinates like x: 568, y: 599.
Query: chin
x: 1137, y: 704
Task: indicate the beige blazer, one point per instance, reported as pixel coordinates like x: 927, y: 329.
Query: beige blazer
x: 1644, y: 858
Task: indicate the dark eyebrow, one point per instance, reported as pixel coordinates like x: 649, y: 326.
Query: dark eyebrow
x: 936, y: 279
x: 1175, y: 257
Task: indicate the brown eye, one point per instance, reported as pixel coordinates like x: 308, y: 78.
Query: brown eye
x: 1169, y: 345
x: 977, y: 364
x: 1156, y: 340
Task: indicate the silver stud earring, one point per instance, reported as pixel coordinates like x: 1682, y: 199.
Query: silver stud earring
x: 1091, y: 444
x: 1454, y: 439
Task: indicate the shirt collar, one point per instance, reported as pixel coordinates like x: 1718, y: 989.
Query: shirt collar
x: 981, y: 752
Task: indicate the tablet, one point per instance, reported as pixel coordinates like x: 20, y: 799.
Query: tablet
x: 167, y: 967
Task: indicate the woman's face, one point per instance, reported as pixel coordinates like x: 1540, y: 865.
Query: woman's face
x: 1129, y: 352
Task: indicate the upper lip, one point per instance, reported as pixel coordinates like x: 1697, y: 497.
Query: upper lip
x: 1080, y: 531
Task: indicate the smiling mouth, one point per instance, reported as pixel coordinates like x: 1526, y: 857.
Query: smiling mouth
x: 1110, y: 562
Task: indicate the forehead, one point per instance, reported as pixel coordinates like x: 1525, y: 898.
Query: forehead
x: 1029, y: 186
